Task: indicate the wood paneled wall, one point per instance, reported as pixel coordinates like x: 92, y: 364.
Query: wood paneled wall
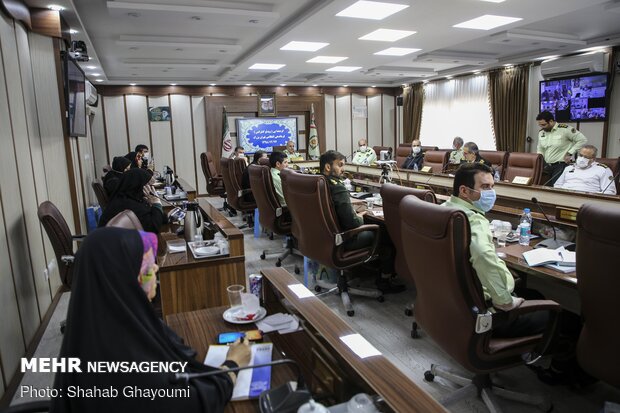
x: 33, y: 168
x: 121, y: 121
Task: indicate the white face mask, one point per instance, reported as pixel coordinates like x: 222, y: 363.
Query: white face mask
x: 363, y: 148
x: 145, y: 157
x: 416, y: 150
x: 582, y: 162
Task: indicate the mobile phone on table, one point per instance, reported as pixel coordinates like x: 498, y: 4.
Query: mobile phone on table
x: 231, y: 337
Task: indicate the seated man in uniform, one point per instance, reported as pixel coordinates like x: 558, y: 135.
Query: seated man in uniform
x: 239, y: 153
x: 415, y: 160
x: 278, y: 161
x: 471, y: 154
x: 364, y: 154
x: 473, y: 193
x: 331, y: 164
x: 291, y: 153
x: 587, y: 175
x: 456, y: 156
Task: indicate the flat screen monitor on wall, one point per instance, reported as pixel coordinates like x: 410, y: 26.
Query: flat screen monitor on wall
x: 75, y: 86
x: 575, y: 99
x: 264, y: 133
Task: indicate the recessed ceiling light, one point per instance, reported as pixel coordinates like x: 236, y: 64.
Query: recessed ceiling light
x: 266, y: 66
x: 448, y: 77
x: 476, y: 72
x: 73, y: 31
x: 494, y: 1
x: 343, y: 68
x: 248, y: 84
x: 397, y: 51
x: 132, y: 84
x: 345, y: 85
x: 212, y: 84
x: 304, y: 46
x: 547, y: 57
x: 387, y: 35
x: 425, y: 81
x: 507, y: 65
x: 91, y: 67
x: 487, y: 22
x: 374, y: 86
x: 173, y: 84
x: 314, y: 85
x: 98, y: 80
x: 282, y: 84
x: 95, y: 74
x: 55, y: 7
x: 372, y: 10
x: 327, y: 59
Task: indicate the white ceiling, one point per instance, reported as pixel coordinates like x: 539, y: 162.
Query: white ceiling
x: 202, y: 42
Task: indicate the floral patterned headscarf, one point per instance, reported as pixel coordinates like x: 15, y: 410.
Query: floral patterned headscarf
x: 147, y: 277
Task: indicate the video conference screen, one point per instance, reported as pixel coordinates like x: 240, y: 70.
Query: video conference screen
x: 264, y: 133
x: 576, y: 99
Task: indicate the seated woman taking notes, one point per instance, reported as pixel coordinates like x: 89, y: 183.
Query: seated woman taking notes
x: 111, y: 320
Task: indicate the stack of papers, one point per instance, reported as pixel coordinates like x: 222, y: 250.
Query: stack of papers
x: 280, y: 322
x: 252, y: 382
x: 544, y: 256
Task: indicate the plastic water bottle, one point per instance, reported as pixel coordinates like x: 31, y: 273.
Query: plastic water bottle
x: 415, y: 166
x: 496, y: 176
x: 525, y: 227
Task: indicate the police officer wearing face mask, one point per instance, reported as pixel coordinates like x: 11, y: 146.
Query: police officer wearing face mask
x: 364, y: 154
x: 473, y: 194
x: 415, y: 160
x: 587, y: 175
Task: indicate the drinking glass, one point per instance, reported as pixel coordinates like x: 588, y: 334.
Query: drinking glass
x: 234, y: 296
x: 502, y: 229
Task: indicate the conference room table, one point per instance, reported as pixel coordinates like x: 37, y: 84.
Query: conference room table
x: 333, y: 370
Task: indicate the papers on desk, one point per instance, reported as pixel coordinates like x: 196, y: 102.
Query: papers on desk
x: 543, y: 256
x: 252, y: 382
x: 560, y: 268
x: 376, y: 213
x: 283, y: 323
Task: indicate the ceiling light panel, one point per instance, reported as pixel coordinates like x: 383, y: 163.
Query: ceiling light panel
x: 327, y: 59
x: 373, y: 10
x: 387, y: 35
x: 266, y: 66
x: 397, y: 51
x: 343, y: 68
x: 304, y: 46
x: 494, y: 1
x: 487, y: 22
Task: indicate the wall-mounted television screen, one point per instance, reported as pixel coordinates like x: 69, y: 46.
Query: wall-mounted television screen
x: 75, y: 86
x: 575, y: 99
x: 264, y: 133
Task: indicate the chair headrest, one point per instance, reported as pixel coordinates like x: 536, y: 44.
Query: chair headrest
x: 429, y: 220
x: 522, y: 159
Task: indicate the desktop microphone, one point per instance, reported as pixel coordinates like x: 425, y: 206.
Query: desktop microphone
x: 556, y: 175
x: 613, y: 181
x: 283, y: 399
x: 551, y: 243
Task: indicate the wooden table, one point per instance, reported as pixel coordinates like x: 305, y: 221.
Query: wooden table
x: 200, y: 328
x: 188, y: 284
x: 333, y: 371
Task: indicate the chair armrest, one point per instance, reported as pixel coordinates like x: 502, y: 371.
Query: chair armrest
x: 353, y: 232
x: 530, y: 306
x: 242, y: 192
x: 78, y: 237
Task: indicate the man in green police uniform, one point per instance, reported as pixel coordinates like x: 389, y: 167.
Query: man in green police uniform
x: 364, y: 154
x: 557, y: 142
x: 473, y: 193
x: 332, y: 166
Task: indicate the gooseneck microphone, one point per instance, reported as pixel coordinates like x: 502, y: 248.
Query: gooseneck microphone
x: 550, y: 243
x: 554, y: 176
x: 613, y: 181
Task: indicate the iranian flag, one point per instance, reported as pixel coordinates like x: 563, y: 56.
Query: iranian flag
x: 227, y: 143
x: 313, y: 138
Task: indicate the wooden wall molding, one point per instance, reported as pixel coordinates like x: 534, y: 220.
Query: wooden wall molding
x: 50, y: 23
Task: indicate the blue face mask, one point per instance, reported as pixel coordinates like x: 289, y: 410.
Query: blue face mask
x: 486, y: 201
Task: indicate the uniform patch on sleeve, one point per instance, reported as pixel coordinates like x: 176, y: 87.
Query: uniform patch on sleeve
x: 574, y: 130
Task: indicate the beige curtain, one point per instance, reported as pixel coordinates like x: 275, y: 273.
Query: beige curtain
x: 413, y: 99
x: 508, y: 96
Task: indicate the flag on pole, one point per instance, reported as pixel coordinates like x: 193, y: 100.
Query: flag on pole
x: 314, y: 152
x: 227, y: 143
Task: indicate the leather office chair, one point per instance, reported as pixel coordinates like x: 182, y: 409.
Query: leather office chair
x: 402, y: 152
x: 281, y: 148
x: 215, y: 182
x: 271, y: 214
x: 428, y: 148
x: 498, y: 160
x: 232, y: 172
x: 451, y: 304
x: 61, y: 239
x: 378, y: 150
x: 264, y: 161
x: 126, y: 219
x: 437, y: 160
x: 392, y: 195
x: 100, y: 193
x: 597, y: 254
x: 524, y: 164
x: 614, y: 165
x: 319, y: 237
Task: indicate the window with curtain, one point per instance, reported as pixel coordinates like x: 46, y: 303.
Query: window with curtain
x: 457, y: 107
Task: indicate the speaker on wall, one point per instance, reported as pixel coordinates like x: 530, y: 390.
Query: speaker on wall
x: 399, y: 100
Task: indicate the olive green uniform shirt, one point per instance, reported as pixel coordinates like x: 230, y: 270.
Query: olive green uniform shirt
x: 561, y: 140
x: 497, y: 282
x: 365, y: 158
x: 456, y: 156
x: 277, y: 185
x: 347, y: 218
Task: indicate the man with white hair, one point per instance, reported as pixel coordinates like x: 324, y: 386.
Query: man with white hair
x: 587, y: 175
x: 364, y: 154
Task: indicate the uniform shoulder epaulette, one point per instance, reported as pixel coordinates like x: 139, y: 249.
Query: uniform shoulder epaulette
x: 334, y: 181
x: 562, y: 125
x: 602, y: 164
